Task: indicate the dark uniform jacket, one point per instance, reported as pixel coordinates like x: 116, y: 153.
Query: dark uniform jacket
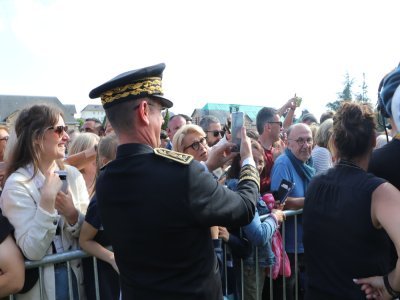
x: 158, y: 212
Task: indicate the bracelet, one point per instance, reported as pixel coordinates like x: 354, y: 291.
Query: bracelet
x: 390, y: 290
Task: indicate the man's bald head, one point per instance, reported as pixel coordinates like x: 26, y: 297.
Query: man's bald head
x: 300, y: 141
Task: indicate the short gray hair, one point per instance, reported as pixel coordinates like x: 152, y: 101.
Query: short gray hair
x: 206, y: 121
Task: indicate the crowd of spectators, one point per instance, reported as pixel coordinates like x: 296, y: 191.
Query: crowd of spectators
x: 327, y: 162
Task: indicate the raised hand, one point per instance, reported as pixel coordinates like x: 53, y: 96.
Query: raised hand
x: 65, y: 206
x: 49, y: 190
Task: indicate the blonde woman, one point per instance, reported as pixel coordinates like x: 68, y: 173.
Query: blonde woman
x: 81, y: 143
x: 191, y: 139
x: 46, y: 219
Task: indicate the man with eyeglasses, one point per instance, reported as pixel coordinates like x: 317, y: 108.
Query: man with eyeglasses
x: 157, y: 205
x: 294, y: 165
x: 269, y: 128
x: 212, y: 127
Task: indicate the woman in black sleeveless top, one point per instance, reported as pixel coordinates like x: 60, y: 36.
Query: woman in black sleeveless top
x: 350, y: 218
x: 11, y: 261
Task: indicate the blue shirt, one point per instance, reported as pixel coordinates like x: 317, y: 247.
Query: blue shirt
x: 283, y: 169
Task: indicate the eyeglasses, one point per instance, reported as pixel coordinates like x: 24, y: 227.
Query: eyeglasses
x: 4, y: 138
x: 280, y: 123
x: 217, y: 133
x: 196, y: 145
x: 301, y: 141
x: 160, y: 108
x: 59, y: 129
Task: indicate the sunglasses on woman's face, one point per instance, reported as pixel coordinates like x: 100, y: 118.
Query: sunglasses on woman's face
x: 216, y: 133
x: 59, y: 129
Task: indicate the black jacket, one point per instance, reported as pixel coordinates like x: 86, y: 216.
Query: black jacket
x: 158, y: 212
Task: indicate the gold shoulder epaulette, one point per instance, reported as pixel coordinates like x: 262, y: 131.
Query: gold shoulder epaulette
x: 249, y: 172
x: 176, y: 156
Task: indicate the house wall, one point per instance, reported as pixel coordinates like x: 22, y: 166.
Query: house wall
x: 93, y: 114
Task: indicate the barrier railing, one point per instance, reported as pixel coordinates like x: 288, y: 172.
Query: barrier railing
x: 79, y: 254
x: 288, y: 213
x: 61, y: 258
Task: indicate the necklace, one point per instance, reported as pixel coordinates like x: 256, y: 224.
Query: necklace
x: 348, y: 163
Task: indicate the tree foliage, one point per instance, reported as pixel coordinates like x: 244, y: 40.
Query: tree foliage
x: 347, y: 93
x: 166, y: 119
x: 344, y: 95
x: 362, y: 96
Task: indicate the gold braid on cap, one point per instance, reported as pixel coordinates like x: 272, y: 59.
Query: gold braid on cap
x: 145, y: 86
x: 248, y: 172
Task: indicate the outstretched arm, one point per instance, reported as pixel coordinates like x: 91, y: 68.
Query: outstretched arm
x: 87, y: 243
x: 385, y: 211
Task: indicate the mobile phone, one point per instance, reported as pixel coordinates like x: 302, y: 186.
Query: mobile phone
x: 285, y: 187
x: 63, y: 177
x: 237, y: 124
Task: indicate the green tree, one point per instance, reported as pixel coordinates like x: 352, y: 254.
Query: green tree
x: 166, y: 119
x: 80, y: 122
x: 345, y: 95
x: 363, y: 95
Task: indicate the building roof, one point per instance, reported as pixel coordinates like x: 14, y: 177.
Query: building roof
x: 93, y: 107
x: 217, y: 109
x: 10, y: 104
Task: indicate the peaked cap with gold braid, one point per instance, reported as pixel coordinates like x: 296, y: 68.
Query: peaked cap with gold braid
x: 140, y: 83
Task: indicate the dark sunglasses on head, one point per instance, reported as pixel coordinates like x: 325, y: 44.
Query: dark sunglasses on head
x: 196, y: 145
x: 59, y: 129
x: 217, y: 133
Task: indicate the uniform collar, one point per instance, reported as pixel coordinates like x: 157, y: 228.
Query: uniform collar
x: 133, y: 149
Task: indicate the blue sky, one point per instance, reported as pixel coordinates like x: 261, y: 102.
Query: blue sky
x: 250, y: 52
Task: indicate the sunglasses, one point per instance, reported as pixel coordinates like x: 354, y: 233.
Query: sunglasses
x: 280, y: 123
x: 196, y: 145
x: 217, y: 133
x: 160, y: 108
x: 59, y: 129
x: 301, y: 141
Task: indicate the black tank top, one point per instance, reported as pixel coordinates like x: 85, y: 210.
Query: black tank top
x: 340, y: 241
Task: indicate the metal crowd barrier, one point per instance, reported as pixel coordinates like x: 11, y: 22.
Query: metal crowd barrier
x: 60, y: 258
x: 79, y: 254
x: 288, y: 213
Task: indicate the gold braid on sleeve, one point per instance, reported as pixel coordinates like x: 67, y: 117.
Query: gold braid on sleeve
x: 248, y: 172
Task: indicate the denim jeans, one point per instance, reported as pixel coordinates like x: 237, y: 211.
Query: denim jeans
x: 61, y: 278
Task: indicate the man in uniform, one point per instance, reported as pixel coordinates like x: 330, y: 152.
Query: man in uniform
x: 157, y: 205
